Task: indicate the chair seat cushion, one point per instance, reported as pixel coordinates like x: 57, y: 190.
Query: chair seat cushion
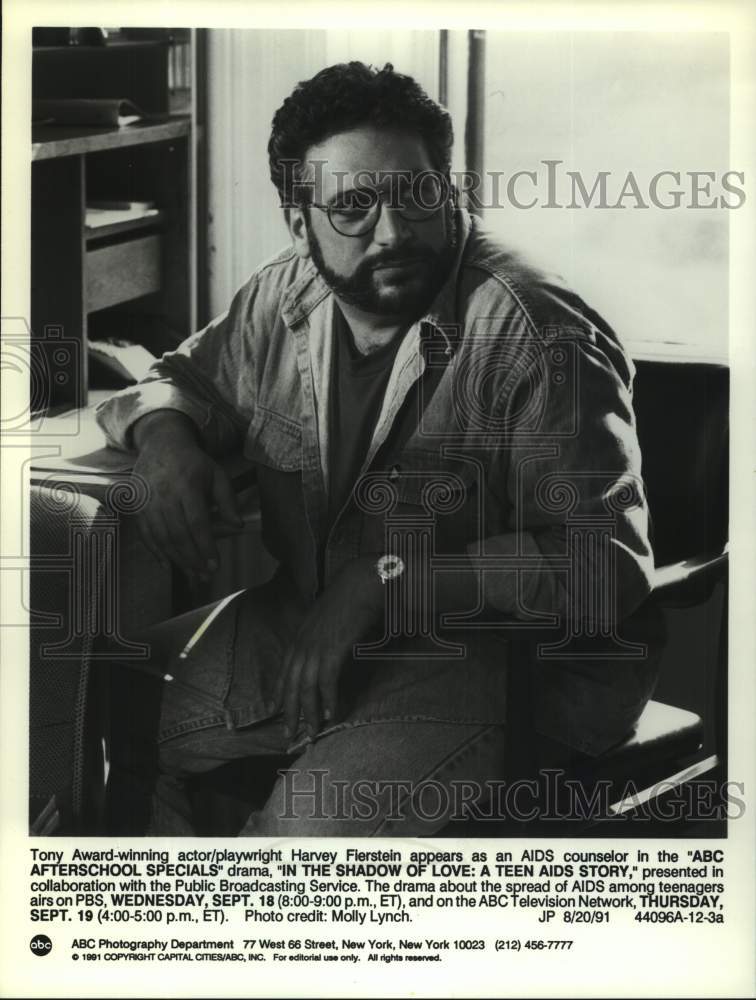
x: 663, y: 733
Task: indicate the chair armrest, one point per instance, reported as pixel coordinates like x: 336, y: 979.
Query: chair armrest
x: 690, y: 582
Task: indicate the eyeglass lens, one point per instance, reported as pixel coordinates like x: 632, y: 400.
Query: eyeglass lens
x: 417, y: 198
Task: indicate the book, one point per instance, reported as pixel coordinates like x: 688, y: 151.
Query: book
x: 95, y: 111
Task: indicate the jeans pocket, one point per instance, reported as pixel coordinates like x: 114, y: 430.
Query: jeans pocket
x: 195, y: 696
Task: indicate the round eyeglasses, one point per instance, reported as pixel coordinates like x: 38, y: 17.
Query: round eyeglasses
x: 356, y: 212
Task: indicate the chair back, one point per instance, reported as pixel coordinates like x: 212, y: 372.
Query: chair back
x: 682, y: 418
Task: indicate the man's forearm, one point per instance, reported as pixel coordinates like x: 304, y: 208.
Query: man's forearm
x: 448, y: 592
x: 545, y: 589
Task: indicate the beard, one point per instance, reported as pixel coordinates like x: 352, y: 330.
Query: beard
x: 417, y: 274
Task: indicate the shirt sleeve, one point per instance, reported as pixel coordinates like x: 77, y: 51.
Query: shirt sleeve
x: 569, y: 472
x: 209, y: 378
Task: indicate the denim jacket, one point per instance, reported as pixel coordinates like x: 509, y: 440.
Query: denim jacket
x: 506, y: 440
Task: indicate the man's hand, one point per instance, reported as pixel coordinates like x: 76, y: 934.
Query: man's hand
x: 340, y: 617
x: 185, y: 485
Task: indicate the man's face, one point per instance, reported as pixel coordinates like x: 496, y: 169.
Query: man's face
x: 397, y: 267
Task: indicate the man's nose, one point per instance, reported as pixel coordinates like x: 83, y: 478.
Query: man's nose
x: 391, y: 229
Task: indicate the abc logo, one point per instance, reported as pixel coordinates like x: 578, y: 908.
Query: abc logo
x: 40, y: 945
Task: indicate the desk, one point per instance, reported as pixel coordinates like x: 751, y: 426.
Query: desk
x: 71, y: 454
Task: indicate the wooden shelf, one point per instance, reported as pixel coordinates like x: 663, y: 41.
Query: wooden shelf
x: 94, y: 234
x: 50, y: 142
x: 134, y: 277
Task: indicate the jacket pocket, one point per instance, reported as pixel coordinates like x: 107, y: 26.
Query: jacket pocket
x: 429, y: 480
x: 420, y: 491
x: 274, y: 440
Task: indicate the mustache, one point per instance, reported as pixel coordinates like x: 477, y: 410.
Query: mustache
x: 399, y: 259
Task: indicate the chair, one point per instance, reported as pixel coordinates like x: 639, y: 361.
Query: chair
x: 79, y: 560
x: 669, y: 749
x: 682, y: 421
x: 682, y: 412
x: 67, y: 770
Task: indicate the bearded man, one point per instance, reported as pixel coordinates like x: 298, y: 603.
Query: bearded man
x: 445, y: 451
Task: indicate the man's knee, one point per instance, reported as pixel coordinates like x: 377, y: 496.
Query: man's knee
x: 323, y: 795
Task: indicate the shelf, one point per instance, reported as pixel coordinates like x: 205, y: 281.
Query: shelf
x: 53, y: 141
x: 133, y: 278
x: 109, y: 46
x: 97, y: 233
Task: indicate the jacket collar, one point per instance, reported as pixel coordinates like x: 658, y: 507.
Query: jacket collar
x: 442, y: 313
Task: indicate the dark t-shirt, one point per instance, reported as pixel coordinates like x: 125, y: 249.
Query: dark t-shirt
x: 358, y: 384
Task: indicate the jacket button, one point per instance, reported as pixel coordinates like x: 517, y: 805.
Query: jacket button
x: 394, y: 473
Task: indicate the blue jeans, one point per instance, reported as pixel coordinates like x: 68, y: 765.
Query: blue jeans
x: 417, y: 728
x: 369, y: 780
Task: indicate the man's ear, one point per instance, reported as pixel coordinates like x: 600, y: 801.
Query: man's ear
x: 297, y: 226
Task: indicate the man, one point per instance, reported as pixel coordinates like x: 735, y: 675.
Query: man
x: 445, y: 448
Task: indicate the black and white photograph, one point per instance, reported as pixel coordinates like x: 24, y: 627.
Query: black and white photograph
x: 373, y: 433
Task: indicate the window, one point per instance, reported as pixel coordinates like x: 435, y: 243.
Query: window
x: 619, y: 103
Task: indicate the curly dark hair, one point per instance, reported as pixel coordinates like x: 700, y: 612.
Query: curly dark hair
x: 347, y: 96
